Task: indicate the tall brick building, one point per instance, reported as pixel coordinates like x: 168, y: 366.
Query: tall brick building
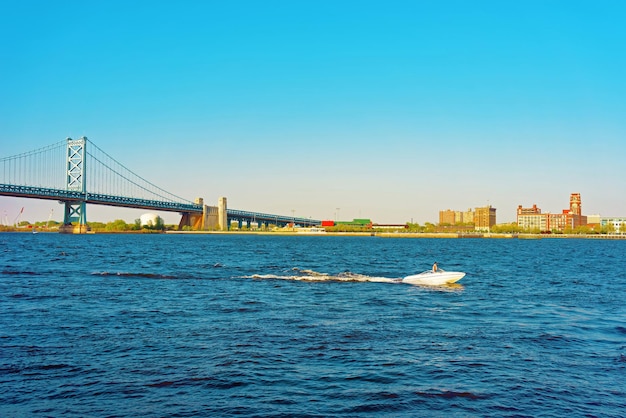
x: 482, y: 218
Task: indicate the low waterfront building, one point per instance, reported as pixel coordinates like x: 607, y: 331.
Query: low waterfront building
x: 356, y: 223
x: 616, y: 225
x: 594, y: 219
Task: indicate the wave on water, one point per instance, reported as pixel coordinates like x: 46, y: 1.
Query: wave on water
x: 314, y: 276
x: 128, y: 274
x: 20, y: 273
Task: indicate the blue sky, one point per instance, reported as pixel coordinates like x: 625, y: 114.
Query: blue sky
x: 387, y: 110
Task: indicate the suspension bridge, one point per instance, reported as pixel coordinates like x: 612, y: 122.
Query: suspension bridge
x: 76, y: 172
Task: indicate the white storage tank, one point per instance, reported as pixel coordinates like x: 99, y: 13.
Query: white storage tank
x: 148, y: 219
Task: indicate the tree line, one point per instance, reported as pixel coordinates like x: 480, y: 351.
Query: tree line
x: 117, y: 225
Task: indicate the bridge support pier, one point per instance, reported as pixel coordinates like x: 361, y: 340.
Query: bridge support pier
x: 73, y: 229
x: 211, y: 218
x: 222, y: 216
x: 74, y: 212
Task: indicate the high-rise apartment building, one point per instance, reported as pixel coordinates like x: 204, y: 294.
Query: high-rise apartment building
x: 447, y: 217
x: 484, y: 218
x: 468, y: 216
x: 453, y: 217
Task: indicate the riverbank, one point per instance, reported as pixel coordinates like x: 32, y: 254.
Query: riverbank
x: 439, y: 235
x: 411, y: 235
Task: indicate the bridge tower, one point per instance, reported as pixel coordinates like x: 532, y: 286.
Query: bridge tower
x: 75, y: 210
x: 222, y: 217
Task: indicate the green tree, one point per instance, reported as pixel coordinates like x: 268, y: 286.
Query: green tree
x: 160, y: 224
x: 510, y: 228
x: 117, y: 225
x: 610, y: 228
x: 413, y: 227
x: 97, y: 226
x: 428, y: 227
x: 584, y: 229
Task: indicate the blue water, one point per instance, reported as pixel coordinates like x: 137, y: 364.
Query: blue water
x: 220, y: 325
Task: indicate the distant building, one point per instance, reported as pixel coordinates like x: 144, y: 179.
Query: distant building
x: 484, y: 218
x: 453, y: 217
x: 357, y: 223
x: 594, y: 219
x: 447, y: 217
x: 528, y: 211
x: 617, y: 225
x: 532, y: 218
x: 467, y: 216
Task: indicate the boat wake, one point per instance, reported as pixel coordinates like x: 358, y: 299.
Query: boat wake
x: 129, y: 274
x: 314, y: 276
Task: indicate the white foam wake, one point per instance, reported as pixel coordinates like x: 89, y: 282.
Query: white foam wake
x: 314, y: 276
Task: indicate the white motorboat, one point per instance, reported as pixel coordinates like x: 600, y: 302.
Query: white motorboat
x: 431, y: 278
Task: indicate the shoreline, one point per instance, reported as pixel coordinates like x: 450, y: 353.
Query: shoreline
x: 415, y: 235
x: 442, y: 235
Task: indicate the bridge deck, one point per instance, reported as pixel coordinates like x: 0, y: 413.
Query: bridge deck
x: 135, y: 203
x: 96, y: 199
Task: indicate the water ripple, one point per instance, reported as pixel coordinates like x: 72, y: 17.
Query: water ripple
x: 165, y: 325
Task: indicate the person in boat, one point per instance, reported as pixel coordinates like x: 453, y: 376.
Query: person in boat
x: 435, y: 268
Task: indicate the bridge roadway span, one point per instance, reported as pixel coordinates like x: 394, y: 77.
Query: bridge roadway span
x: 136, y: 203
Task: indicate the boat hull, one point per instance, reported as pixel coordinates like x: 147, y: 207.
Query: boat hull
x: 430, y: 278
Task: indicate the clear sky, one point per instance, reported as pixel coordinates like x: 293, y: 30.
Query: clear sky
x: 387, y: 110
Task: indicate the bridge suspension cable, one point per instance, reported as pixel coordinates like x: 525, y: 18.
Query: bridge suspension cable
x: 105, y: 175
x: 77, y: 173
x: 47, y: 168
x: 43, y: 167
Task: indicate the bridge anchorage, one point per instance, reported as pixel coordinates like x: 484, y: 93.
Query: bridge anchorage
x: 76, y: 174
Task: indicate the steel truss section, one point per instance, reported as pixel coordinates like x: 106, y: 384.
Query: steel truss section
x: 75, y: 212
x: 76, y: 164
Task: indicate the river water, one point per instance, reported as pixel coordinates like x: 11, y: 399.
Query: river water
x: 247, y: 325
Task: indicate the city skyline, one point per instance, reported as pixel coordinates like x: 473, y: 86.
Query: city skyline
x: 387, y: 112
x: 445, y: 216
